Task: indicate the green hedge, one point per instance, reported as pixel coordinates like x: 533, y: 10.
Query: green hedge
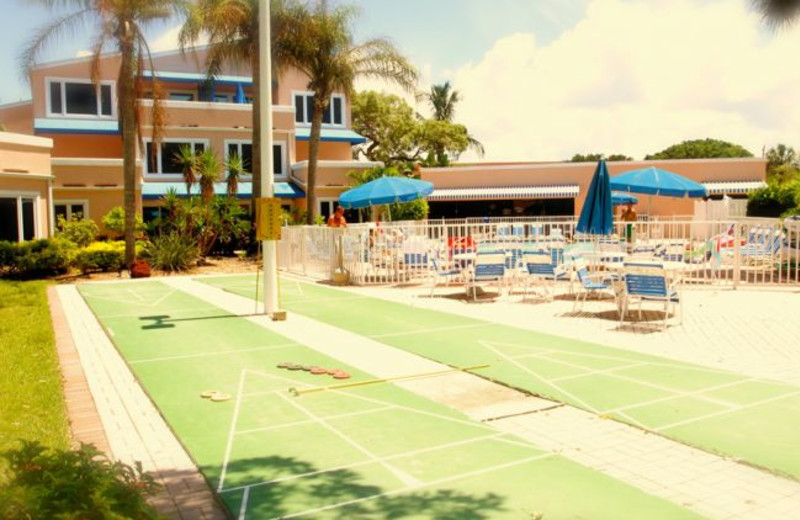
x: 101, y: 256
x: 36, y: 258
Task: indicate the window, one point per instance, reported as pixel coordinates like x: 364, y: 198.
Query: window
x: 69, y: 209
x: 327, y: 207
x: 80, y: 98
x: 181, y: 96
x: 222, y: 98
x: 163, y: 161
x: 304, y: 109
x: 17, y: 218
x: 245, y: 150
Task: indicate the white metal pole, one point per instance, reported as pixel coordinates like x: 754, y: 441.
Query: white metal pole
x: 269, y: 247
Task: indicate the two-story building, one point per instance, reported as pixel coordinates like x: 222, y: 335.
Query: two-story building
x: 81, y: 120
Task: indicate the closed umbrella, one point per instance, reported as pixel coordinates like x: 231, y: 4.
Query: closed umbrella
x: 597, y: 217
x: 240, y: 97
x: 385, y: 190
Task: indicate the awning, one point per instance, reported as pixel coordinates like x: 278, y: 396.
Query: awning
x: 505, y: 192
x: 193, y: 77
x: 735, y: 187
x: 75, y: 126
x: 156, y: 190
x: 332, y: 135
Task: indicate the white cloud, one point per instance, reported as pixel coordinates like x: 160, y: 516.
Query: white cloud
x: 634, y: 78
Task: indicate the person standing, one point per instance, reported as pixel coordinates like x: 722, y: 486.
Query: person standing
x: 629, y: 215
x: 337, y: 220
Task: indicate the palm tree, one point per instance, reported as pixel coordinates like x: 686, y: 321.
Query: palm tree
x: 186, y: 158
x: 318, y: 41
x: 118, y: 23
x: 442, y: 100
x: 208, y: 169
x: 232, y: 30
x: 236, y: 169
x: 778, y: 12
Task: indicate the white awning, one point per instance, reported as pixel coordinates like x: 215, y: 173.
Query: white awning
x: 720, y: 188
x: 505, y: 192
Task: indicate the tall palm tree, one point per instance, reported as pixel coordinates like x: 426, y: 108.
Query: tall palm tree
x: 120, y: 24
x: 778, y: 12
x: 318, y: 41
x: 232, y: 30
x: 443, y: 100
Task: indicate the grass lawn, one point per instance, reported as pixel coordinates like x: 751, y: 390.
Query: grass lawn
x: 31, y: 396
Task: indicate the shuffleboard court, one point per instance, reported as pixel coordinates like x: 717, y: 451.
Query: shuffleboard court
x: 374, y: 451
x: 722, y: 412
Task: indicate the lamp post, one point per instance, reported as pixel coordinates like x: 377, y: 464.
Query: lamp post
x: 269, y: 247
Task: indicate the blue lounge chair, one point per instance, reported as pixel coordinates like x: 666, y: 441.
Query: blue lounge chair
x: 591, y: 283
x: 489, y: 267
x: 541, y: 268
x: 648, y: 282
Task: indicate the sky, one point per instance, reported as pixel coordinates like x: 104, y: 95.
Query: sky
x: 542, y: 80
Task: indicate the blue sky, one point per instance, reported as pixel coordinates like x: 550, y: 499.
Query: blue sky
x: 544, y: 79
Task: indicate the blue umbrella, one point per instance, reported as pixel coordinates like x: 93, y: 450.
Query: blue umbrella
x: 620, y: 199
x: 655, y: 181
x: 385, y: 190
x: 596, y: 215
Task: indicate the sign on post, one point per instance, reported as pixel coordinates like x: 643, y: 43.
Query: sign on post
x: 268, y: 219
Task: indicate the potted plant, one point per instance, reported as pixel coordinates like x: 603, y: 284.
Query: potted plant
x: 140, y: 269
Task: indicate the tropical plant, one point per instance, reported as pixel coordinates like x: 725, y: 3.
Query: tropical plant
x: 121, y: 24
x: 232, y: 30
x: 100, y: 256
x: 186, y: 158
x: 208, y: 170
x: 114, y: 221
x: 173, y: 251
x: 318, y: 42
x: 79, y: 231
x: 778, y: 12
x: 236, y: 169
x: 442, y: 100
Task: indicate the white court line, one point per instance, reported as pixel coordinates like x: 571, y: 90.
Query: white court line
x: 401, y: 475
x: 229, y: 447
x: 493, y: 437
x: 311, y: 421
x: 172, y: 313
x: 243, y: 506
x: 537, y: 376
x: 217, y: 353
x: 431, y: 330
x: 724, y: 412
x: 420, y: 486
x: 593, y: 372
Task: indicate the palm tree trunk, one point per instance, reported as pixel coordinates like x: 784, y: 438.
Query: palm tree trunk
x: 255, y: 168
x: 313, y: 155
x: 127, y: 109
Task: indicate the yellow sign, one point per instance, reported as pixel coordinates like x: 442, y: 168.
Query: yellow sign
x: 268, y: 219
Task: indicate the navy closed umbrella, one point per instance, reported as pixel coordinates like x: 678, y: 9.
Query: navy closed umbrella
x: 597, y: 216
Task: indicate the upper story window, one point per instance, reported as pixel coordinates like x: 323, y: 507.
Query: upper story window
x: 181, y: 96
x: 304, y: 109
x: 80, y: 98
x: 163, y: 160
x: 245, y: 150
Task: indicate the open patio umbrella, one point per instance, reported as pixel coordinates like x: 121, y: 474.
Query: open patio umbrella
x: 620, y: 199
x: 655, y: 181
x: 597, y: 217
x: 385, y: 190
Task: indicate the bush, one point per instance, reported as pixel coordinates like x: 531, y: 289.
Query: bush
x: 114, y: 221
x: 80, y: 232
x: 51, y: 483
x: 773, y: 200
x: 38, y: 258
x: 172, y: 252
x: 101, y: 256
x: 8, y: 251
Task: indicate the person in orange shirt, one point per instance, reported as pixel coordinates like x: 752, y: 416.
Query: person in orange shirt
x: 337, y: 219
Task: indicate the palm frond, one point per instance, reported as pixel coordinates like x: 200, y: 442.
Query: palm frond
x: 778, y: 13
x: 66, y: 25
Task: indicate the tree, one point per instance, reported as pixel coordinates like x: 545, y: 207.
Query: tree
x: 442, y: 100
x: 232, y: 30
x: 186, y: 158
x: 120, y: 23
x: 781, y: 155
x: 236, y: 169
x: 594, y: 157
x: 778, y: 12
x: 318, y: 42
x: 397, y: 138
x: 701, y: 149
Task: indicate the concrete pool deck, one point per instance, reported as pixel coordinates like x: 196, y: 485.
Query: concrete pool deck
x: 738, y: 327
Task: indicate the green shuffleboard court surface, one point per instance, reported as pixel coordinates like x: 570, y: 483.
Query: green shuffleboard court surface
x: 722, y: 412
x: 374, y: 451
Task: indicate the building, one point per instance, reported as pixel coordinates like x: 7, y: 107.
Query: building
x: 80, y: 118
x: 555, y: 189
x: 25, y: 187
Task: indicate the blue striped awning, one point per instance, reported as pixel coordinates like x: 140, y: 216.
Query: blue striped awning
x: 155, y: 190
x: 341, y: 135
x: 75, y: 126
x: 733, y: 187
x: 505, y: 192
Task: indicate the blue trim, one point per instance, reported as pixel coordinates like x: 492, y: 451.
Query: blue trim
x: 40, y: 130
x: 154, y: 190
x: 332, y: 135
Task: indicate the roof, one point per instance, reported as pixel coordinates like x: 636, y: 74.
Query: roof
x: 155, y: 190
x: 505, y: 192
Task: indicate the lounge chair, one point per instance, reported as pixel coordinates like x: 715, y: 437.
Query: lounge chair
x: 541, y: 268
x: 443, y: 273
x: 489, y: 267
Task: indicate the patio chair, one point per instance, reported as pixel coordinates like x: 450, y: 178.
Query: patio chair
x: 443, y: 273
x: 591, y: 284
x: 648, y: 282
x: 540, y: 267
x: 762, y: 248
x: 489, y: 267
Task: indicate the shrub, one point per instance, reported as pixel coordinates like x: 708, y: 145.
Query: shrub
x: 172, y: 252
x: 773, y: 200
x: 8, y: 251
x: 44, y: 257
x: 114, y: 221
x: 101, y: 256
x: 53, y: 483
x: 80, y: 232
